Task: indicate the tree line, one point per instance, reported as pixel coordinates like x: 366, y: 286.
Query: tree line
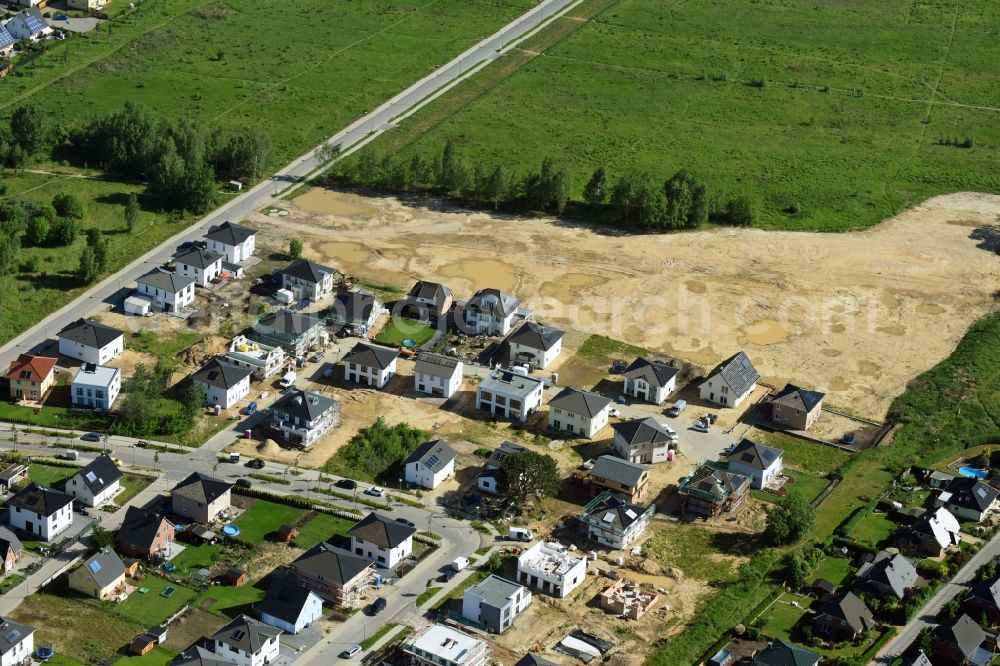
x: 635, y: 200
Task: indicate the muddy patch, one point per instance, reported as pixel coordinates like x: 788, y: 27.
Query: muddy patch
x: 328, y: 202
x: 481, y: 274
x: 764, y: 332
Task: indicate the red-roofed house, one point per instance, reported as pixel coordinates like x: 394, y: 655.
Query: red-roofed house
x: 31, y: 377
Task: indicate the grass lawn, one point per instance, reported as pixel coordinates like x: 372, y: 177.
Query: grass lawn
x: 62, y: 659
x: 151, y: 609
x: 230, y: 601
x: 132, y: 485
x: 809, y: 485
x: 165, y: 346
x: 155, y: 657
x: 685, y: 547
x: 604, y: 347
x: 193, y: 558
x: 374, y: 638
x: 874, y: 529
x: 321, y: 527
x: 845, y: 130
x: 263, y: 518
x: 834, y: 569
x: 398, y: 329
x: 10, y: 581
x: 808, y: 456
x: 782, y: 616
x: 55, y: 413
x: 426, y: 595
x: 49, y: 475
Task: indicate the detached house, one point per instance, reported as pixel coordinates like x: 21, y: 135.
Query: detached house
x: 535, y: 345
x: 967, y: 498
x: 247, y: 641
x: 641, y: 441
x: 101, y: 577
x: 356, y: 308
x: 370, y: 364
x: 295, y: 333
x: 430, y: 464
x: 90, y: 342
x: 200, y: 498
x: 7, y: 42
x: 308, y: 281
x: 711, y: 489
x: 31, y: 377
x: 382, y: 539
x: 763, y: 464
x: 509, y: 394
x: 234, y: 241
x: 580, y: 413
x: 780, y: 653
x: 428, y: 301
x: 96, y: 386
x: 17, y: 642
x: 97, y: 483
x: 28, y: 24
x: 437, y: 375
x: 225, y: 383
x: 550, y: 568
x: 796, y: 408
x: 494, y: 602
x: 11, y: 550
x: 490, y: 312
x: 441, y: 645
x: 144, y: 534
x: 489, y: 477
x: 199, y: 655
x: 290, y: 607
x: 302, y: 417
x: 40, y: 511
x: 169, y: 292
x: 650, y: 380
x: 961, y: 642
x: 843, y: 617
x: 628, y: 480
x: 613, y: 522
x: 338, y: 577
x: 932, y: 534
x: 731, y: 382
x: 262, y: 360
x: 202, y: 266
x: 887, y: 574
x: 984, y: 600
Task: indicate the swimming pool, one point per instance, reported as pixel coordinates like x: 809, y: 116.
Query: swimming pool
x: 972, y: 472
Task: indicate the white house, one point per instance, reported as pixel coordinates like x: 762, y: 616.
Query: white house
x: 441, y: 645
x: 225, y: 383
x: 17, y: 642
x: 730, y: 382
x: 40, y: 511
x: 550, y: 568
x: 91, y: 342
x: 97, y: 483
x: 968, y: 498
x: 648, y: 380
x: 489, y: 477
x: 370, y: 364
x: 382, y: 540
x: 247, y: 641
x: 263, y: 360
x: 28, y: 24
x: 96, y: 386
x: 509, y: 394
x: 430, y: 464
x: 295, y: 333
x: 302, y: 417
x: 641, y: 441
x: 763, y: 464
x: 290, y: 607
x: 535, y: 345
x: 7, y: 41
x: 495, y: 602
x: 579, y: 413
x: 236, y: 242
x: 437, y: 375
x: 169, y: 292
x: 614, y: 522
x: 489, y: 312
x: 201, y: 265
x: 307, y: 280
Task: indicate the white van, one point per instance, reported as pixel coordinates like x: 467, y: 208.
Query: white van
x: 519, y: 534
x: 677, y: 408
x: 459, y: 563
x: 287, y: 380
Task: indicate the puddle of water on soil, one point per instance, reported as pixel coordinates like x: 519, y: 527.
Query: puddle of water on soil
x: 482, y: 273
x: 329, y: 202
x: 345, y: 252
x: 764, y: 332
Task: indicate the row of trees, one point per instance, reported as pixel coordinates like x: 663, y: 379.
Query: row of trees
x: 640, y: 200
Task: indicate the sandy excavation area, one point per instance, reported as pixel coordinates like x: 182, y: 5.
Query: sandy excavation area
x: 855, y: 314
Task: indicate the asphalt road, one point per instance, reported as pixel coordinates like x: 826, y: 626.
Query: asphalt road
x: 927, y: 616
x: 351, y: 137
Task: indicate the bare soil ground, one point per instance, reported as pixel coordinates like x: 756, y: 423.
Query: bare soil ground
x: 856, y: 314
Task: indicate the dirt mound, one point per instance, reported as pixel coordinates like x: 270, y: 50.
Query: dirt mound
x: 202, y: 352
x: 646, y: 566
x: 268, y: 447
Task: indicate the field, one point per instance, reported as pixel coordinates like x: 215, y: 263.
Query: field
x: 832, y: 116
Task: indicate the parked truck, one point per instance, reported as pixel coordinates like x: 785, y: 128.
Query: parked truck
x: 70, y: 454
x: 459, y: 563
x: 519, y: 534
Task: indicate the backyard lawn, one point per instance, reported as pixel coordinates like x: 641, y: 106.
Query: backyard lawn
x: 322, y: 527
x: 230, y: 600
x: 782, y: 616
x: 263, y: 518
x: 49, y: 475
x: 155, y: 657
x: 193, y: 558
x: 801, y: 454
x: 132, y: 485
x: 55, y: 413
x: 150, y: 608
x: 834, y: 569
x: 398, y: 329
x: 808, y: 485
x: 874, y: 529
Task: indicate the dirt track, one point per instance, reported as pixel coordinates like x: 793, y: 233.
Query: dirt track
x: 853, y: 314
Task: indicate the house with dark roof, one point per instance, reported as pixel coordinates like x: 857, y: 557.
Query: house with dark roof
x: 40, y: 511
x: 224, y: 383
x: 796, y: 408
x: 369, y: 364
x: 842, y: 617
x: 888, y: 573
x: 780, y: 653
x: 763, y: 464
x: 535, y: 345
x: 28, y: 24
x: 428, y: 301
x: 430, y: 464
x: 359, y: 309
x: 97, y: 483
x: 615, y: 523
x: 489, y: 312
x: 200, y: 654
x: 579, y: 413
x: 169, y: 292
x: 300, y: 418
x: 711, y: 489
x: 202, y: 266
x: 96, y: 386
x: 730, y: 382
x: 651, y: 380
x: 31, y: 377
x: 509, y: 394
x: 489, y: 477
x: 643, y: 441
x: 144, y: 534
x: 91, y: 342
x: 102, y: 576
x: 437, y: 375
x: 200, y: 497
x: 532, y: 659
x: 17, y: 642
x: 337, y: 576
x: 623, y: 478
x: 11, y: 549
x: 289, y: 607
x: 919, y: 659
x: 294, y: 332
x: 984, y: 599
x: 234, y: 241
x: 968, y: 498
x: 961, y: 642
x: 931, y: 535
x: 308, y: 280
x: 247, y: 641
x: 494, y: 602
x: 382, y: 539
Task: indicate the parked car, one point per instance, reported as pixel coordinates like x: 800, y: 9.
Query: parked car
x: 677, y: 408
x: 256, y: 463
x: 250, y: 409
x: 622, y: 400
x: 350, y: 651
x: 377, y: 606
x: 142, y: 443
x: 700, y: 426
x: 375, y: 491
x: 91, y: 437
x: 243, y: 483
x: 346, y: 484
x: 317, y: 357
x: 613, y: 412
x: 404, y: 521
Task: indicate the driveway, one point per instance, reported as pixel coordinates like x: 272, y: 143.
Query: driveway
x: 75, y: 24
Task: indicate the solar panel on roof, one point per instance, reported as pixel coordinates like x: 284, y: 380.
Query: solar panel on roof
x: 94, y: 566
x: 12, y: 636
x: 981, y: 491
x: 746, y: 457
x: 746, y: 362
x: 91, y: 477
x: 34, y: 25
x: 239, y: 634
x: 609, y: 517
x: 630, y: 513
x: 433, y: 460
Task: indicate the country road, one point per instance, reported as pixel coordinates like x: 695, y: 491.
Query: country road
x: 350, y: 138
